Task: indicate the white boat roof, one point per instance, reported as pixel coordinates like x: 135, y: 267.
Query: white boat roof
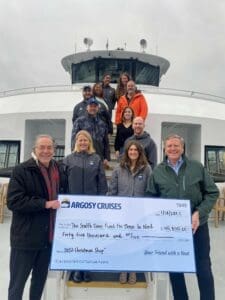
x: 151, y: 59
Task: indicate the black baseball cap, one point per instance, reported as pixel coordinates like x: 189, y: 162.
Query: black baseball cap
x: 87, y: 88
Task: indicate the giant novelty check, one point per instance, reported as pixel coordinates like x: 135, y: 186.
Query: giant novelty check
x: 122, y: 233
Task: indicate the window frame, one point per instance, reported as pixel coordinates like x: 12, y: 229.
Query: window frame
x: 7, y: 153
x: 59, y: 148
x: 217, y: 174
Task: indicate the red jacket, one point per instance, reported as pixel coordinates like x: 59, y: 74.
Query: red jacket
x: 137, y: 103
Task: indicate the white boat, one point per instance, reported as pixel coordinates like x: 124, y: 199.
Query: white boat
x: 199, y: 118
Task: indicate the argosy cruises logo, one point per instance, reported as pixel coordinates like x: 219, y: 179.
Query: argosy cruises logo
x: 65, y: 203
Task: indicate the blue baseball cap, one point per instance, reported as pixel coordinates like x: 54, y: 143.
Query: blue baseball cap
x: 92, y: 101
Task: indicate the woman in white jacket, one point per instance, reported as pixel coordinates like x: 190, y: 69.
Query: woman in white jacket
x: 130, y: 179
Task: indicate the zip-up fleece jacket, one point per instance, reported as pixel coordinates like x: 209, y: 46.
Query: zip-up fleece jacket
x: 85, y: 174
x: 192, y: 182
x: 98, y: 131
x: 81, y: 109
x: 125, y: 183
x: 137, y: 103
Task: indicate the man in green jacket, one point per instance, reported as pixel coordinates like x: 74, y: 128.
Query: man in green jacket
x: 179, y: 178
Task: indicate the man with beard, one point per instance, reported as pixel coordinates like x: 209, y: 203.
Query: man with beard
x: 144, y: 138
x: 109, y: 93
x: 80, y: 109
x: 134, y: 99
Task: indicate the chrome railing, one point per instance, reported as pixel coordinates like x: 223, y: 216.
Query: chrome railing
x: 37, y: 89
x: 183, y: 93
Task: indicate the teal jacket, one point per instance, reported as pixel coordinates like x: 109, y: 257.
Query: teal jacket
x: 192, y: 182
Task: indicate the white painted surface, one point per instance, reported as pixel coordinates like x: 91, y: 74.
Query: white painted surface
x: 158, y: 104
x: 210, y: 115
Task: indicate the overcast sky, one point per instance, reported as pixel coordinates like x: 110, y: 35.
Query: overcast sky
x: 35, y: 35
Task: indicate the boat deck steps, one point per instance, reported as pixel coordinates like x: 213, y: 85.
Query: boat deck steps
x: 109, y: 280
x: 106, y: 284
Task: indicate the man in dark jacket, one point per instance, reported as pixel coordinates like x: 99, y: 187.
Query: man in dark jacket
x: 109, y: 93
x: 80, y: 109
x: 145, y: 140
x: 97, y: 129
x: 179, y: 178
x: 32, y: 195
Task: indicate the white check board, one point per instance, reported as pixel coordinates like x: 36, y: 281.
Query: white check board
x: 105, y: 233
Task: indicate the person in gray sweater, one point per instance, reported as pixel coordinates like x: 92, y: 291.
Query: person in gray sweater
x: 145, y: 140
x: 130, y: 179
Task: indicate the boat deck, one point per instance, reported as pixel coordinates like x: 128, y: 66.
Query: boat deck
x: 95, y: 288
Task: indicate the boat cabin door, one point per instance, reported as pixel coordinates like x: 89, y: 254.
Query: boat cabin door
x: 191, y: 134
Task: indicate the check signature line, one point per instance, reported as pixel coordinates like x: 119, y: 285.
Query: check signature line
x: 158, y: 237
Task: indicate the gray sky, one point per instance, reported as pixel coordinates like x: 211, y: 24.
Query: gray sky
x: 35, y: 35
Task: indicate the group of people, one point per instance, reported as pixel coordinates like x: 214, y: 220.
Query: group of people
x: 94, y: 113
x: 34, y: 185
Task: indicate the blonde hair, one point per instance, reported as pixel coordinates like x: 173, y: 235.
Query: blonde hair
x: 88, y: 136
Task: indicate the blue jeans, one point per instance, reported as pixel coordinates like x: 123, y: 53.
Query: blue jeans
x: 203, y: 269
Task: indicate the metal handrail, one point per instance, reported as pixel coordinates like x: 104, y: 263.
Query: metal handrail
x: 37, y: 89
x: 144, y: 88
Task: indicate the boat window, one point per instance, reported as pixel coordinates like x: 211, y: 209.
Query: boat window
x: 84, y: 72
x: 147, y: 74
x: 215, y: 161
x: 59, y: 152
x: 114, y: 67
x: 94, y: 70
x: 9, y: 153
